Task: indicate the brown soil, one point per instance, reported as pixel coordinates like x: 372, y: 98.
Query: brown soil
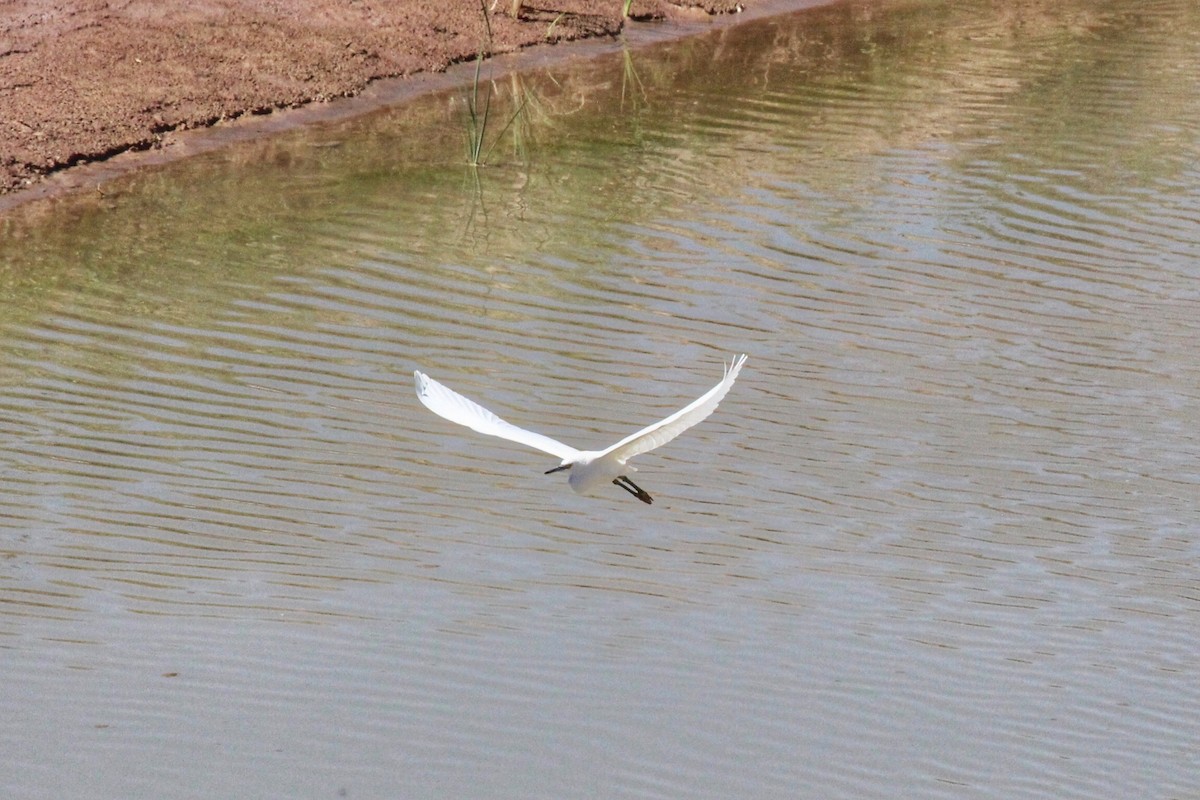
x: 83, y: 80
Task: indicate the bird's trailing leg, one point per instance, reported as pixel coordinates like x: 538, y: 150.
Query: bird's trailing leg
x: 633, y: 489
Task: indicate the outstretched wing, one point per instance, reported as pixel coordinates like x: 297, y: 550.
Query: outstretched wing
x: 662, y: 432
x: 451, y: 405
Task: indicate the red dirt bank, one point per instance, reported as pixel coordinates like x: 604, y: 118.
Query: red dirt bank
x: 82, y: 80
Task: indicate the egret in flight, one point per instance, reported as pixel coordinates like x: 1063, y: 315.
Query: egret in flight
x: 589, y: 469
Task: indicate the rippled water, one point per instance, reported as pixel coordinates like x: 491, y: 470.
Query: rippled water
x: 939, y: 541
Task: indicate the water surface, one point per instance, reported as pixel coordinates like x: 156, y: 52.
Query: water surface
x: 939, y: 540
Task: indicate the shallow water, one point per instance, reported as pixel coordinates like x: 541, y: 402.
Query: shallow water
x: 939, y: 540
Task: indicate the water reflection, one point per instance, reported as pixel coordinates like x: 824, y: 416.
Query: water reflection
x: 940, y: 543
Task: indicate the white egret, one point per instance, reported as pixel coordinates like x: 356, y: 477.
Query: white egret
x: 590, y: 469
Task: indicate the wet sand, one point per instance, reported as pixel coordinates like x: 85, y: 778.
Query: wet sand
x: 86, y: 81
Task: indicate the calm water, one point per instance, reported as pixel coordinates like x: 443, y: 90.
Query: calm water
x: 941, y: 540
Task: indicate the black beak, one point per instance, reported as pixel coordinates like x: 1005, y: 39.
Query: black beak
x: 633, y: 489
x: 559, y: 468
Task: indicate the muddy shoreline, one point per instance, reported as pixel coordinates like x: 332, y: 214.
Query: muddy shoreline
x: 92, y: 89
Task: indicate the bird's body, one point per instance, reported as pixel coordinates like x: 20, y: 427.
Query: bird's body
x: 590, y: 470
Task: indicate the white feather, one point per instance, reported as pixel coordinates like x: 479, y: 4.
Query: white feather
x: 590, y: 469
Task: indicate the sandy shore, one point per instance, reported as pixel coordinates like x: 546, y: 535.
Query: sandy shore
x: 85, y: 80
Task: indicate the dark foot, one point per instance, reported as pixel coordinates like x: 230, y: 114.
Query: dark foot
x: 633, y: 489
